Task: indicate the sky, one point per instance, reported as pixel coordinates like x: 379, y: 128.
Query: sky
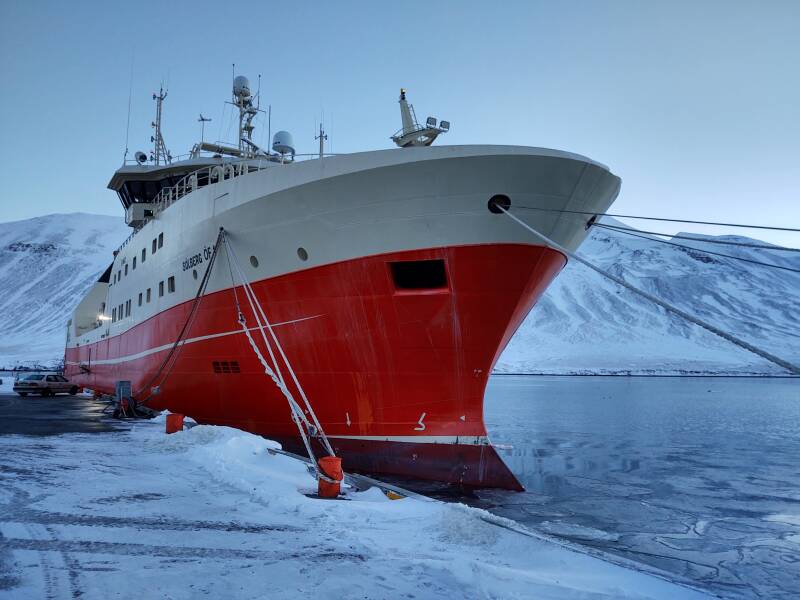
x: 695, y: 105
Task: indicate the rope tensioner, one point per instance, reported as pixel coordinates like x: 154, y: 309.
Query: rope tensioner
x: 794, y: 369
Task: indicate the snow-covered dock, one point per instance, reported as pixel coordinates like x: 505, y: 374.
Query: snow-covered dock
x: 209, y: 512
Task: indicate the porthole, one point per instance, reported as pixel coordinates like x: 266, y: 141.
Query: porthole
x: 499, y: 203
x: 194, y: 273
x: 254, y: 262
x: 302, y: 253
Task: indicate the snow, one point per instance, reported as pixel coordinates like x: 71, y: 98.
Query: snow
x: 210, y: 511
x: 47, y: 264
x: 583, y: 323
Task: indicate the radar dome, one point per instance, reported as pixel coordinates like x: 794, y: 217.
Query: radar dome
x: 241, y: 87
x: 283, y: 143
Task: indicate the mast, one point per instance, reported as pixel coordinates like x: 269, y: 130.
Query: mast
x: 159, y: 146
x: 408, y: 120
x: 247, y: 112
x: 322, y: 137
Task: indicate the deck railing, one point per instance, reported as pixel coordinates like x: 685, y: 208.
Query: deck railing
x: 210, y: 175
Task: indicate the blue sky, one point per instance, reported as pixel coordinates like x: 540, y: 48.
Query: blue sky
x: 696, y: 105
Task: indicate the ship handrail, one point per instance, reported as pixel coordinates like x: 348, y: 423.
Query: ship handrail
x: 169, y: 195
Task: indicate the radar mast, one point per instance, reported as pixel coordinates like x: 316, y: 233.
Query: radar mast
x: 412, y: 133
x: 159, y: 146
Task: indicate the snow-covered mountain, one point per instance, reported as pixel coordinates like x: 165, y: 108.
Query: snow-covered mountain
x: 46, y: 265
x: 583, y: 324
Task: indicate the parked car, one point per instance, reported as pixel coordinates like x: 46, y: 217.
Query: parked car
x: 45, y: 384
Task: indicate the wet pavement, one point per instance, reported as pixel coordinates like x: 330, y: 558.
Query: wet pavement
x: 53, y: 415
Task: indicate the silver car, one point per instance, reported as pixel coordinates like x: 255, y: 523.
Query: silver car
x: 45, y: 384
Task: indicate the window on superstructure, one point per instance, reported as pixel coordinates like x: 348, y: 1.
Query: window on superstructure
x: 144, y: 254
x: 160, y: 289
x: 160, y: 239
x: 114, y: 315
x: 119, y: 275
x: 171, y: 284
x: 140, y: 298
x: 120, y: 314
x: 128, y: 308
x: 148, y: 295
x: 126, y: 269
x: 153, y: 251
x: 114, y: 279
x: 134, y: 264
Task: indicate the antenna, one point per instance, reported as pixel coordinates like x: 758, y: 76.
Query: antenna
x: 322, y: 137
x: 203, y: 120
x: 159, y: 147
x: 128, y: 125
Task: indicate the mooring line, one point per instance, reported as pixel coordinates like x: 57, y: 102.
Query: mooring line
x: 794, y: 369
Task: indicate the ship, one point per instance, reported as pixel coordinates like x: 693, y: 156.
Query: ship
x: 391, y: 281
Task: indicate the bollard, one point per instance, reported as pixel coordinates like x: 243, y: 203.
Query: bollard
x: 331, y: 466
x: 174, y: 423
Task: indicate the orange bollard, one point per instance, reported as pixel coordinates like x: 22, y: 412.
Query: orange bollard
x: 331, y: 466
x: 174, y: 423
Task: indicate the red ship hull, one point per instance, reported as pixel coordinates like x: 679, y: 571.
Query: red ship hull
x: 396, y: 376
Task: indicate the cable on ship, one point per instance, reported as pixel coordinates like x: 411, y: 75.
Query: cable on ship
x: 791, y: 368
x: 583, y: 212
x: 172, y: 357
x: 731, y: 256
x: 699, y: 239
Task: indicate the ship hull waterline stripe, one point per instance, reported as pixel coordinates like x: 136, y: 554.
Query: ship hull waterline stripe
x: 202, y: 338
x: 461, y: 440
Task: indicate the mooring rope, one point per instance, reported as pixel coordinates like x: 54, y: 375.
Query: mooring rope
x: 583, y: 212
x: 794, y: 369
x: 169, y: 361
x: 704, y: 240
x: 279, y: 346
x: 684, y: 246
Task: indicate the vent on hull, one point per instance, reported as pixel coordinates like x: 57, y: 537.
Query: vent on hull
x: 224, y: 366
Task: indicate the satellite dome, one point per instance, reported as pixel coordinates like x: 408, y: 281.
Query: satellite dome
x: 283, y: 143
x: 241, y: 87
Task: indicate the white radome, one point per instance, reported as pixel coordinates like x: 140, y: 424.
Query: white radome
x: 283, y: 143
x: 241, y: 87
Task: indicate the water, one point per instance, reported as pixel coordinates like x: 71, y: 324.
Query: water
x: 699, y: 477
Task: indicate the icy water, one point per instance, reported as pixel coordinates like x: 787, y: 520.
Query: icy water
x: 699, y: 477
